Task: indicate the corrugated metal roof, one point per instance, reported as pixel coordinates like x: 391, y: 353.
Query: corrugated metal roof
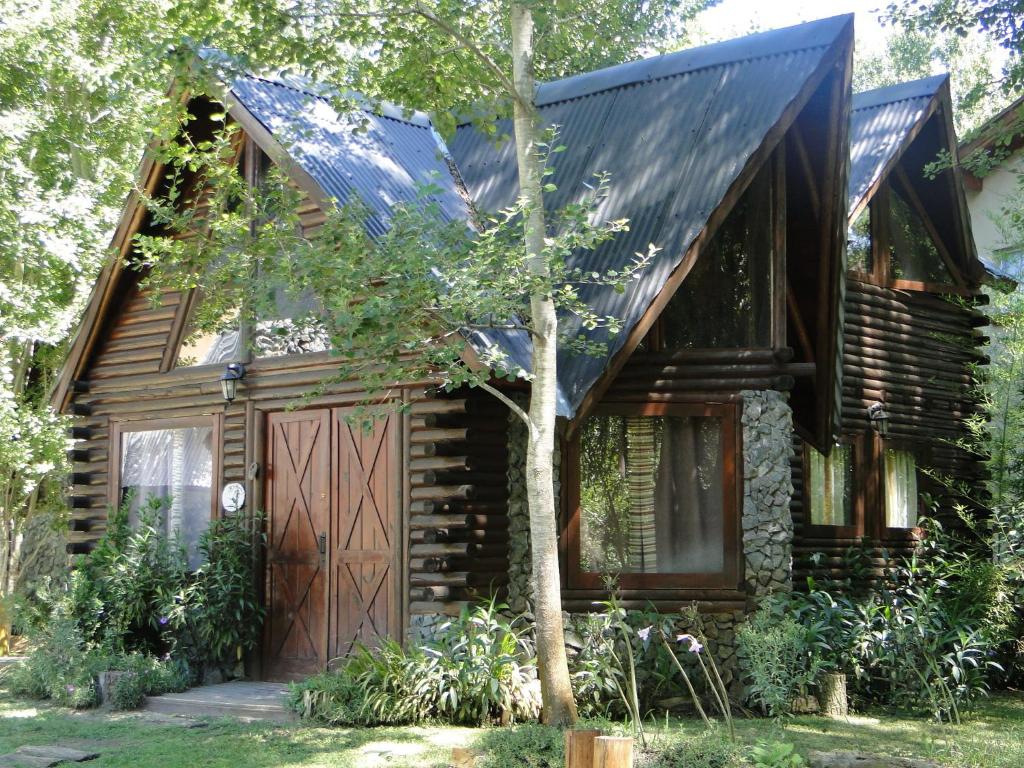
x: 879, y: 122
x: 384, y: 158
x: 674, y: 133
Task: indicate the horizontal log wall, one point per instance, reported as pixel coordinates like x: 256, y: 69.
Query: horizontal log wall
x: 458, y: 512
x: 917, y: 353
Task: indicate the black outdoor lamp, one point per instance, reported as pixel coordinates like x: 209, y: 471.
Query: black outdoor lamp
x: 879, y: 418
x: 234, y: 373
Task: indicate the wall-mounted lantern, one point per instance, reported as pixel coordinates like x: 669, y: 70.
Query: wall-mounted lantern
x: 233, y: 374
x: 879, y: 418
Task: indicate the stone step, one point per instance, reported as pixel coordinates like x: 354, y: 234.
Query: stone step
x: 239, y: 699
x: 44, y: 756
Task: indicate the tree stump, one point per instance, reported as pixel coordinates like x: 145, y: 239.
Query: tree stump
x: 613, y: 752
x: 579, y: 748
x: 832, y: 695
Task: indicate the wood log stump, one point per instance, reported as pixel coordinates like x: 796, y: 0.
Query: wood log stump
x: 613, y: 752
x: 832, y: 695
x: 579, y: 748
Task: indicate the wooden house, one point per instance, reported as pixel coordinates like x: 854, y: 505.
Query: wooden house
x: 677, y: 460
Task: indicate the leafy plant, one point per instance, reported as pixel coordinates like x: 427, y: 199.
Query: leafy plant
x: 224, y: 606
x: 128, y: 691
x: 530, y: 745
x: 775, y: 754
x: 470, y: 673
x: 709, y: 750
x: 776, y: 659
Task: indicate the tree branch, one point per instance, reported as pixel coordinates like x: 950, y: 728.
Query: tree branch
x: 508, y: 401
x: 487, y: 61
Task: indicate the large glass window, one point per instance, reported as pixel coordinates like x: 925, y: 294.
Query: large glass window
x: 176, y: 466
x: 830, y: 488
x: 900, y: 488
x: 913, y: 253
x: 654, y: 494
x: 725, y: 300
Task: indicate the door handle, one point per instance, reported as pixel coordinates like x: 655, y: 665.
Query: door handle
x: 322, y: 546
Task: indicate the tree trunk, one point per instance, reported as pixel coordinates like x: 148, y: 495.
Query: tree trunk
x: 559, y: 707
x: 832, y: 694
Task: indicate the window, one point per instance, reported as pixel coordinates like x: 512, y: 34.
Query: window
x: 291, y: 327
x: 900, y: 488
x: 859, y: 257
x: 174, y: 464
x: 222, y: 345
x: 656, y: 496
x: 725, y: 300
x: 913, y: 253
x: 830, y: 486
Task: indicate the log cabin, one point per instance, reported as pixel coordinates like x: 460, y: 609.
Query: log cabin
x: 677, y: 468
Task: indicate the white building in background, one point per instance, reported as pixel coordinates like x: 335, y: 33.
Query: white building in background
x: 991, y: 194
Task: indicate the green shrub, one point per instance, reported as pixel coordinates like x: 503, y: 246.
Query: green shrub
x: 776, y: 659
x: 775, y: 754
x: 923, y: 638
x: 128, y: 691
x: 134, y: 605
x: 530, y: 745
x: 470, y: 673
x: 709, y: 750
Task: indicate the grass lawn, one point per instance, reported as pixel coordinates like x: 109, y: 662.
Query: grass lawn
x: 992, y: 738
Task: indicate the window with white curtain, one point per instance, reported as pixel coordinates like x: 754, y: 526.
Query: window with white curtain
x: 176, y: 466
x: 830, y: 486
x: 900, y: 478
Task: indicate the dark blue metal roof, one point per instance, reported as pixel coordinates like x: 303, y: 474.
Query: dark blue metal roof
x: 674, y: 133
x: 382, y: 156
x: 880, y: 122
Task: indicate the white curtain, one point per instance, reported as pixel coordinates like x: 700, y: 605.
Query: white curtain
x: 900, y: 489
x: 175, y: 465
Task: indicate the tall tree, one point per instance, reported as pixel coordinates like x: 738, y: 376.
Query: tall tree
x: 432, y: 283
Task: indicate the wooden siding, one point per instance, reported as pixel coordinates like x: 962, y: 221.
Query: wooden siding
x: 915, y: 352
x: 458, y: 512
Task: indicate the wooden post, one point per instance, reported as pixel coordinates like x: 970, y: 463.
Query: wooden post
x: 579, y: 748
x: 613, y: 752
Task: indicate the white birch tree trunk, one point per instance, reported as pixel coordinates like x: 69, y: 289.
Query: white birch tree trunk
x: 559, y: 707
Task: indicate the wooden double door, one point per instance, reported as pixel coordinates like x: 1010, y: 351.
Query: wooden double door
x: 332, y: 502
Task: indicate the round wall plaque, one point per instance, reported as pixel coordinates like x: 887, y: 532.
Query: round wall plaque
x: 232, y: 498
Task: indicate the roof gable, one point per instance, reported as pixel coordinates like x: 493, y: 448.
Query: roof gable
x: 899, y: 129
x: 676, y: 134
x: 883, y: 121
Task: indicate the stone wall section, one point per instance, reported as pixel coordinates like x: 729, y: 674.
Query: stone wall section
x: 767, y: 523
x: 520, y: 563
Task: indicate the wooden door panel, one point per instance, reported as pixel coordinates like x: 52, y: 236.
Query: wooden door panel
x: 298, y: 513
x: 367, y: 475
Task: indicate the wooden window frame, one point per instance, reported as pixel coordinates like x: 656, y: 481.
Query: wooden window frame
x: 885, y: 532
x: 880, y: 211
x: 119, y: 428
x: 732, y: 487
x: 856, y: 530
